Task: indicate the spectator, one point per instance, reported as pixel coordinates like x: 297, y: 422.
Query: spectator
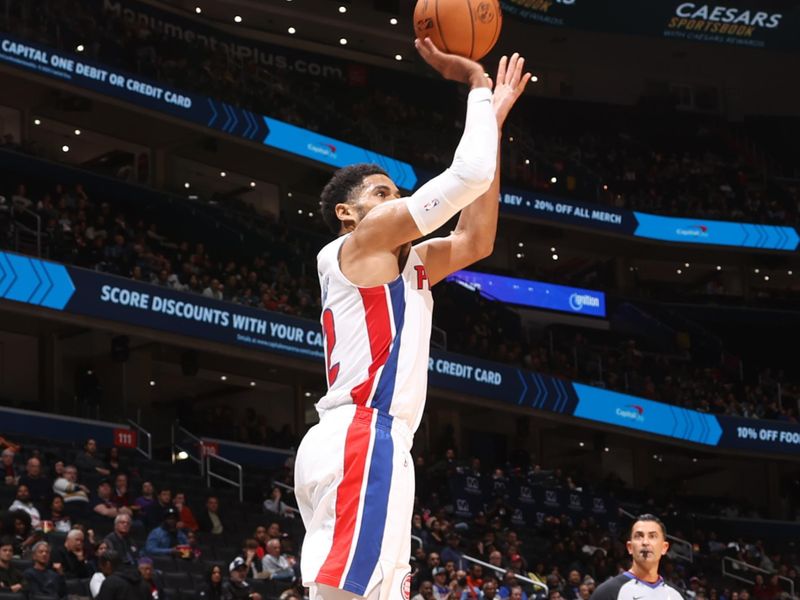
x: 59, y: 519
x: 249, y: 555
x: 88, y: 463
x: 489, y: 590
x: 23, y: 502
x: 7, y: 467
x: 107, y: 564
x: 40, y: 578
x: 75, y: 495
x: 431, y: 562
x: 260, y: 536
x: 120, y: 541
x: 70, y: 560
x: 214, y: 290
x: 148, y: 579
x: 278, y: 566
x: 157, y: 511
x: 452, y: 551
x: 143, y: 503
x: 274, y: 504
x: 572, y: 590
x: 209, y: 520
x: 510, y: 583
x: 441, y: 589
x: 38, y: 485
x: 236, y: 587
x: 474, y: 583
x: 6, y: 443
x: 113, y: 461
x: 425, y: 591
x: 165, y: 539
x: 212, y: 586
x: 186, y: 516
x: 194, y: 552
x: 11, y: 580
x: 584, y: 593
x: 120, y: 497
x: 20, y: 527
x: 103, y: 505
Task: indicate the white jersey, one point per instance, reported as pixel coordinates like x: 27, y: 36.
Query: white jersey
x: 377, y: 339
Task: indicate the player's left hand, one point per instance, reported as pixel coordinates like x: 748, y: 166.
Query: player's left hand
x: 508, y: 85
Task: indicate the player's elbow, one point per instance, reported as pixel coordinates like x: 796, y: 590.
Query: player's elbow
x: 476, y: 174
x: 484, y: 249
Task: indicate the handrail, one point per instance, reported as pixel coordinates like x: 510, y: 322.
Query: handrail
x: 418, y: 540
x: 20, y: 225
x: 503, y: 571
x: 177, y: 448
x: 285, y: 486
x: 142, y: 433
x: 740, y: 565
x: 209, y: 474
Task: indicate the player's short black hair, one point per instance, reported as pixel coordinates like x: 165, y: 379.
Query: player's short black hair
x: 340, y: 188
x: 649, y: 517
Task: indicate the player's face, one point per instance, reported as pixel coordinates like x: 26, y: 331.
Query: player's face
x: 647, y: 544
x: 375, y: 190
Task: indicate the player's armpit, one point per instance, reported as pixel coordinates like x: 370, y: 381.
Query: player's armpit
x: 446, y: 255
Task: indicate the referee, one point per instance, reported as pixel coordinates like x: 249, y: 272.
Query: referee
x: 647, y: 544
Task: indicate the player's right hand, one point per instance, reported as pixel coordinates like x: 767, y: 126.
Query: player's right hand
x: 451, y: 66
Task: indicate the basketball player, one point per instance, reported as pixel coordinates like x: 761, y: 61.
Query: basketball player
x: 647, y: 544
x: 354, y: 476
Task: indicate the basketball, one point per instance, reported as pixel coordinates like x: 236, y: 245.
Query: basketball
x: 468, y: 28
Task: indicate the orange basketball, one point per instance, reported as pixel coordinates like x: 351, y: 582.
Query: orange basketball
x: 465, y: 27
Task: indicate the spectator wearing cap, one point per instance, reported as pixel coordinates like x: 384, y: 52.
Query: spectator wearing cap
x: 70, y: 559
x: 441, y: 589
x: 425, y: 591
x: 23, y: 502
x: 40, y: 578
x: 165, y: 539
x: 452, y: 552
x: 276, y: 565
x: 11, y: 579
x: 103, y: 504
x: 209, y: 519
x: 236, y: 587
x: 88, y: 463
x: 75, y: 495
x: 8, y: 468
x: 148, y: 579
x: 38, y: 485
x: 121, y: 542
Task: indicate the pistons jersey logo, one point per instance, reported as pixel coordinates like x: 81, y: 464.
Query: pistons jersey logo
x: 405, y: 587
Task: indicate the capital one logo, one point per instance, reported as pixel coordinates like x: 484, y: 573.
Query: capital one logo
x: 517, y: 516
x: 598, y: 505
x: 525, y: 493
x: 631, y: 412
x: 323, y: 149
x: 550, y: 497
x: 578, y: 301
x: 472, y: 485
x: 575, y: 502
x: 693, y: 231
x: 462, y: 506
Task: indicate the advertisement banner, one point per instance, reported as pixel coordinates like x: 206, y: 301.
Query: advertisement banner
x: 98, y: 295
x: 535, y: 294
x: 744, y: 23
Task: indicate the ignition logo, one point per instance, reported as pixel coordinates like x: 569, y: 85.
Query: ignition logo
x: 578, y: 301
x: 632, y: 412
x: 693, y: 231
x: 322, y: 149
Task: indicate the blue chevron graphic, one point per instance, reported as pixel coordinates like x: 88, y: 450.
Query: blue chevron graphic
x: 214, y: 112
x: 524, y: 386
x: 247, y: 131
x: 34, y: 281
x: 227, y: 118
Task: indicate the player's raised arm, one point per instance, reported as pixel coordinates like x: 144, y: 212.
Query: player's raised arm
x: 389, y: 225
x: 473, y: 237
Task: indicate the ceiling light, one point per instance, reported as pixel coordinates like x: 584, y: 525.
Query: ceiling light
x: 679, y: 272
x: 77, y: 132
x: 527, y: 161
x: 694, y: 460
x: 553, y: 180
x: 766, y: 277
x: 788, y: 272
x: 152, y: 383
x: 607, y: 449
x: 223, y: 378
x: 686, y: 265
x: 65, y: 148
x: 534, y: 78
x: 310, y: 214
x: 343, y: 41
x: 521, y: 244
x: 308, y: 394
x: 252, y: 184
x: 393, y: 21
x: 252, y: 384
x: 237, y: 19
x: 756, y: 271
x: 299, y: 211
x: 555, y: 256
x: 511, y: 138
x: 182, y: 455
x: 186, y: 184
x: 223, y: 174
x: 342, y: 9
x: 80, y: 48
x: 581, y: 444
x: 719, y: 267
x: 289, y: 194
x: 552, y: 248
x: 198, y: 10
x: 398, y: 57
x: 37, y: 121
x: 292, y: 30
x: 520, y: 255
x: 605, y: 187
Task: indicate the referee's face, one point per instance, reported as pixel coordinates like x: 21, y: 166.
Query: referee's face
x: 647, y: 544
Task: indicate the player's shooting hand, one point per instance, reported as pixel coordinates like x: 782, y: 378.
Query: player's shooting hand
x: 509, y: 85
x: 452, y: 66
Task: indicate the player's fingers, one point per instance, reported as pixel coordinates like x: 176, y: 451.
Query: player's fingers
x: 523, y: 83
x: 512, y: 67
x: 501, y: 70
x: 516, y: 76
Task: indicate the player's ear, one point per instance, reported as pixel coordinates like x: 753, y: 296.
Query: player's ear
x: 665, y: 548
x: 346, y: 213
x: 629, y: 547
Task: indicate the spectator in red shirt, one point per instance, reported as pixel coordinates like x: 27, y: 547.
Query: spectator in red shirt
x: 186, y: 516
